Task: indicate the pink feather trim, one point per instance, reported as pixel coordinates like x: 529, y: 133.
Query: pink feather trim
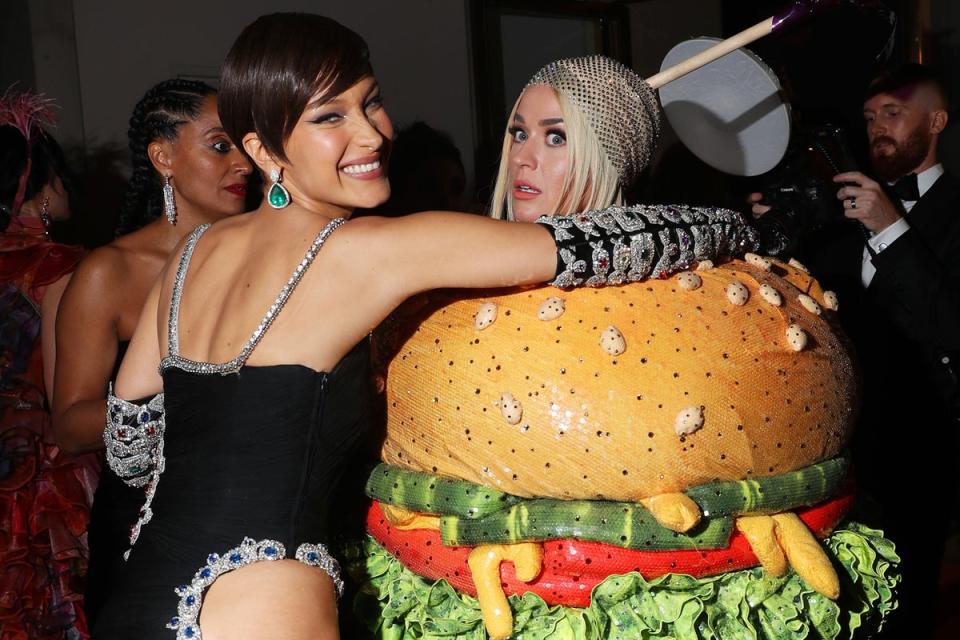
x: 26, y: 110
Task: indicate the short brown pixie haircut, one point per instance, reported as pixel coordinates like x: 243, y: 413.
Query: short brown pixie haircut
x: 277, y: 65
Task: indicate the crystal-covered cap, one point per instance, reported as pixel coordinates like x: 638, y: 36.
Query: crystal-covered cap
x: 620, y: 106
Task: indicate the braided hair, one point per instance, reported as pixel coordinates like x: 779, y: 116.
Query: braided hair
x: 157, y: 116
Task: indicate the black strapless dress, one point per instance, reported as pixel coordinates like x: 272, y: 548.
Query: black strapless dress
x: 253, y: 460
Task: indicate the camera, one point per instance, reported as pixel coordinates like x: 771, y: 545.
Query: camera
x: 800, y: 192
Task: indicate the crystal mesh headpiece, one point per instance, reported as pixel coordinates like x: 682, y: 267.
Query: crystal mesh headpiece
x: 620, y: 106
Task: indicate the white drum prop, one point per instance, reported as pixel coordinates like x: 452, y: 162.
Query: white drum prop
x: 729, y: 112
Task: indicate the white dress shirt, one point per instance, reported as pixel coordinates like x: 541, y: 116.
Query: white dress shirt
x: 880, y: 241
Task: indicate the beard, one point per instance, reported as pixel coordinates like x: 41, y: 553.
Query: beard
x: 905, y: 157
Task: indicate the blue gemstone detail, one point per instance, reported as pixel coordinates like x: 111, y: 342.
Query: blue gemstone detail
x: 313, y: 556
x: 235, y: 558
x: 182, y: 589
x: 270, y: 551
x: 144, y: 417
x: 205, y: 573
x: 174, y: 621
x: 188, y: 632
x: 190, y: 601
x: 212, y: 558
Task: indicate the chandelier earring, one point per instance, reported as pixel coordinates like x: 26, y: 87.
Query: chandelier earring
x: 278, y: 197
x: 169, y: 204
x: 45, y: 216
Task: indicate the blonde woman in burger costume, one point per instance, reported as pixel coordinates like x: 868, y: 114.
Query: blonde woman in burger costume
x: 258, y: 327
x: 579, y: 134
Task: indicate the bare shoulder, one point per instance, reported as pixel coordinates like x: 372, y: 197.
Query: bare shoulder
x: 101, y: 270
x: 126, y: 265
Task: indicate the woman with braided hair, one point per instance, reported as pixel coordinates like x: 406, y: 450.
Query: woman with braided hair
x: 186, y: 172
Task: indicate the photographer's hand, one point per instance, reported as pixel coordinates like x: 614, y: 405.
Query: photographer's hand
x: 755, y: 199
x: 865, y: 200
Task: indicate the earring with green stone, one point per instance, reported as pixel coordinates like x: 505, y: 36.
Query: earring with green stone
x: 278, y: 197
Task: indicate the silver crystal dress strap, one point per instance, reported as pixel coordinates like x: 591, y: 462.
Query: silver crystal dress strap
x: 173, y: 342
x: 174, y: 359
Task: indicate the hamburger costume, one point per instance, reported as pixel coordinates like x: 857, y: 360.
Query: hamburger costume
x: 203, y: 442
x: 661, y: 460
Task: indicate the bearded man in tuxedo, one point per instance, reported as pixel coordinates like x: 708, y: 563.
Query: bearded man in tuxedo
x: 898, y: 276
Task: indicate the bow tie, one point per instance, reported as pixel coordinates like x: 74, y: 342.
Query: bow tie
x: 906, y: 188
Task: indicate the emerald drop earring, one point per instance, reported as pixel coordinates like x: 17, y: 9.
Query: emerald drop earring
x: 278, y: 197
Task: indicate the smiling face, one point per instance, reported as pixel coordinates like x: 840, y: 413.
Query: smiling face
x: 337, y: 152
x: 538, y: 157
x: 209, y: 172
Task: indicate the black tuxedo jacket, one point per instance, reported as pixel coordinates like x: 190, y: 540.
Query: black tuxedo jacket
x: 906, y: 330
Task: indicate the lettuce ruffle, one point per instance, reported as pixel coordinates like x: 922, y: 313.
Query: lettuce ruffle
x: 396, y: 604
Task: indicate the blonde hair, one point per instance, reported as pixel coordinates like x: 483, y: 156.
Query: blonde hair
x: 591, y: 181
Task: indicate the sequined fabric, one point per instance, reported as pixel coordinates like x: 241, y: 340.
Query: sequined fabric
x: 627, y: 244
x: 620, y: 106
x: 132, y: 435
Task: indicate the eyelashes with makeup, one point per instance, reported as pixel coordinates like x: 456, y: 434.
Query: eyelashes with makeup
x: 554, y: 137
x: 517, y: 134
x: 222, y: 147
x: 374, y: 103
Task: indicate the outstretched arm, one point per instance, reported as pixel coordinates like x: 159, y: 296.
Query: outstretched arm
x: 612, y: 246
x: 432, y: 250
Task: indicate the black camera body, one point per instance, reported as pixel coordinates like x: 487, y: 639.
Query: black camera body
x: 801, y: 191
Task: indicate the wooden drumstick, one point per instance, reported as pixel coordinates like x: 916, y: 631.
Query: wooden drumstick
x: 799, y: 10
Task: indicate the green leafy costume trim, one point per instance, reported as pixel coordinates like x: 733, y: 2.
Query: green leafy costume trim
x: 396, y: 604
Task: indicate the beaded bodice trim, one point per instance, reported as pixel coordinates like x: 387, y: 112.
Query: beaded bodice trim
x: 175, y: 360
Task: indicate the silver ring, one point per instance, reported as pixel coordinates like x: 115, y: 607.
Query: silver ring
x: 853, y: 203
